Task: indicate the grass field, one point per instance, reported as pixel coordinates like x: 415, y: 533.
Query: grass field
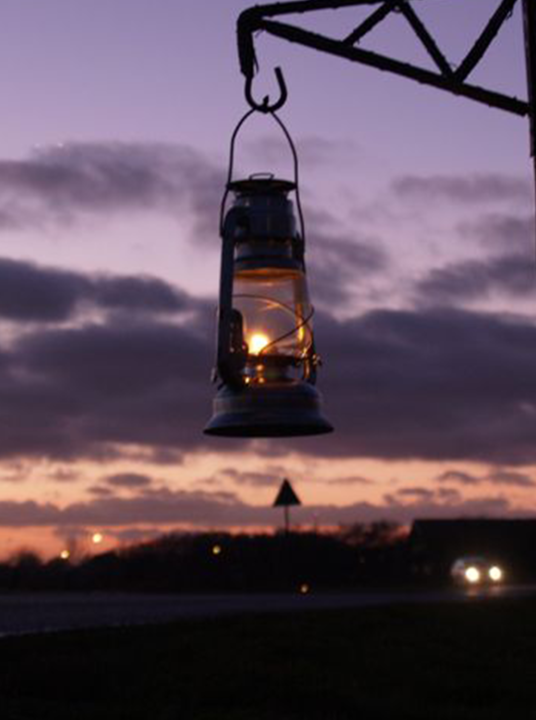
x: 434, y: 662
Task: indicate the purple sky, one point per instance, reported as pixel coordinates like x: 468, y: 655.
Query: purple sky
x: 116, y: 123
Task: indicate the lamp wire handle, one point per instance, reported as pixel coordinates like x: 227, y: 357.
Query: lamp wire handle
x: 295, y: 160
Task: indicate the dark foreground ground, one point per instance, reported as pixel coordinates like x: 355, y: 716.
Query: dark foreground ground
x: 437, y: 661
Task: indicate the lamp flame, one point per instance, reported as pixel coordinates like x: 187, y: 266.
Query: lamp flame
x: 257, y: 342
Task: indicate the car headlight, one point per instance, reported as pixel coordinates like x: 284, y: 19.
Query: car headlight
x: 472, y: 574
x: 495, y: 573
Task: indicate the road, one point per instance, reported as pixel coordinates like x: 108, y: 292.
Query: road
x: 36, y: 613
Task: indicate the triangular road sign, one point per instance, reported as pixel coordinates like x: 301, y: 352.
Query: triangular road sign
x: 286, y: 495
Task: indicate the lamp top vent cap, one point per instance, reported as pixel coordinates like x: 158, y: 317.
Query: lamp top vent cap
x: 262, y: 184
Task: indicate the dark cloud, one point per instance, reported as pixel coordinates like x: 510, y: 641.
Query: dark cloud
x: 449, y: 495
x: 29, y: 292
x: 439, y: 507
x: 271, y: 477
x: 467, y: 190
x: 35, y: 293
x: 440, y: 384
x: 340, y: 267
x: 496, y: 477
x: 147, y: 294
x: 458, y: 477
x: 223, y: 510
x: 129, y: 480
x: 418, y: 493
x: 350, y: 480
x: 62, y: 184
x: 512, y: 275
x: 434, y: 384
x: 75, y: 392
x: 162, y: 456
x: 100, y: 491
x: 439, y: 497
x: 509, y: 477
x: 507, y: 233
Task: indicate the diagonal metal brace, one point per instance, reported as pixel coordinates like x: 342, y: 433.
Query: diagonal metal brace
x: 382, y: 62
x: 256, y: 18
x: 486, y: 38
x: 370, y: 23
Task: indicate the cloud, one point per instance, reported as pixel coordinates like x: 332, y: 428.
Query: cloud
x: 100, y: 491
x: 142, y: 293
x: 418, y: 493
x: 512, y: 275
x: 496, y: 477
x: 30, y: 292
x: 427, y: 384
x: 350, y: 480
x: 456, y: 476
x: 451, y: 507
x: 466, y: 190
x: 129, y: 480
x: 271, y: 477
x: 64, y: 475
x: 340, y: 264
x: 436, y: 384
x: 341, y: 267
x: 509, y: 477
x: 59, y: 185
x: 505, y: 232
x: 224, y: 510
x: 74, y: 392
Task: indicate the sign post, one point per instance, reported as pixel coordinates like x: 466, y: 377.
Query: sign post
x: 285, y: 498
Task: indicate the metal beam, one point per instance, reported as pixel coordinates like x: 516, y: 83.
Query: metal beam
x: 426, y: 39
x: 486, y: 38
x: 366, y: 57
x: 304, y: 6
x: 367, y: 25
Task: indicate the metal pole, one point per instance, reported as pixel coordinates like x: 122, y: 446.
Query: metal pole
x: 529, y: 27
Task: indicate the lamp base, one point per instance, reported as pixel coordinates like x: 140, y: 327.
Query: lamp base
x: 285, y: 409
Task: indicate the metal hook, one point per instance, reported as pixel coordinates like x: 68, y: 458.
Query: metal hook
x: 265, y: 107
